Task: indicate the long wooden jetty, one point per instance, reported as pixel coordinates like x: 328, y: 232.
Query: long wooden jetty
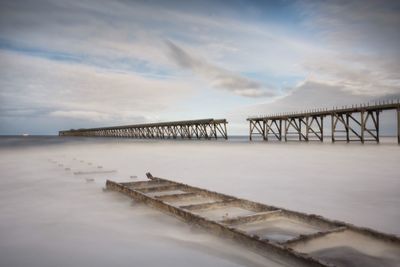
x: 348, y: 123
x: 205, y: 128
x: 297, y: 238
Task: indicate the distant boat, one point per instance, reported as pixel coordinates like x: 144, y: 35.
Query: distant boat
x: 25, y: 134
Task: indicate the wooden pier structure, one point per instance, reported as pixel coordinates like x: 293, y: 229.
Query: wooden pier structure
x: 298, y: 238
x: 356, y: 123
x: 205, y: 128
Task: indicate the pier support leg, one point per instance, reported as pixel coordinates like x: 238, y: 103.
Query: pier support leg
x: 250, y: 132
x: 322, y: 129
x: 265, y: 129
x: 398, y: 126
x: 362, y: 127
x: 347, y: 128
x: 377, y: 126
x: 286, y: 130
x: 333, y: 128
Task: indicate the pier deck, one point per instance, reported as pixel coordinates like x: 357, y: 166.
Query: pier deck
x: 301, y: 239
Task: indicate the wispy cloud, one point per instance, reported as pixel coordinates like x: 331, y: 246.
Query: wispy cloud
x: 218, y: 77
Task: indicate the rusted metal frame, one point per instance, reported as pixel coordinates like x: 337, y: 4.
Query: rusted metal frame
x: 265, y: 129
x: 181, y: 131
x: 221, y: 130
x: 269, y: 128
x: 211, y: 205
x: 259, y: 128
x: 255, y: 124
x: 279, y: 128
x: 153, y: 132
x: 175, y: 197
x: 211, y: 131
x: 202, y: 131
x: 214, y: 126
x: 292, y: 122
x: 188, y: 133
x: 140, y: 184
x: 133, y: 133
x: 206, y: 135
x: 260, y: 246
x: 160, y: 188
x: 301, y: 121
x: 358, y: 123
x: 138, y: 132
x: 157, y: 132
x: 261, y: 216
x: 304, y: 238
x: 251, y: 122
x: 219, y: 197
x: 142, y: 132
x: 148, y: 131
x: 375, y: 121
x: 225, y: 130
x: 126, y: 133
x: 310, y: 128
x: 347, y: 125
x: 196, y: 130
x: 174, y: 132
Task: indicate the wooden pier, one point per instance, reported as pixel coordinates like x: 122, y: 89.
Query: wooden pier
x: 356, y: 123
x: 298, y: 238
x: 206, y: 128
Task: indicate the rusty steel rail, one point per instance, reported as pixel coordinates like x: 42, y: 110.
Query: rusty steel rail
x: 205, y: 128
x: 199, y: 206
x: 348, y: 123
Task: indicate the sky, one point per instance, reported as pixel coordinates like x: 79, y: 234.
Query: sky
x: 90, y: 63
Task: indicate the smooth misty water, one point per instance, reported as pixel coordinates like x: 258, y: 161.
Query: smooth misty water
x: 50, y: 216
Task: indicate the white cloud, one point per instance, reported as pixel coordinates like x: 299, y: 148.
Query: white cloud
x: 73, y: 90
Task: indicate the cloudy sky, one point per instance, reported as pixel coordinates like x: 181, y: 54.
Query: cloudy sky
x: 72, y: 64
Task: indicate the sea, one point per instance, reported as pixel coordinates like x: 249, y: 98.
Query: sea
x: 54, y: 210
